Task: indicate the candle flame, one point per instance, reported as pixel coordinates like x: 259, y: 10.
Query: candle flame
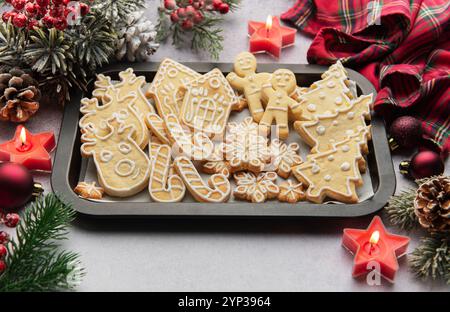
x: 269, y: 23
x: 23, y: 136
x: 375, y: 237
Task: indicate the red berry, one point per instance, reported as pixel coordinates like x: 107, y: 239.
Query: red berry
x: 174, y: 17
x: 2, y: 266
x: 187, y: 24
x: 190, y: 11
x: 169, y: 4
x: 18, y: 4
x: 217, y: 4
x: 57, y: 2
x: 198, y: 18
x: 181, y: 12
x: 20, y: 20
x: 60, y: 23
x: 224, y: 8
x: 3, y: 251
x: 32, y: 23
x: 30, y: 8
x: 4, y: 237
x: 84, y: 9
x: 12, y: 219
x: 198, y: 4
x: 42, y: 10
x: 42, y: 3
x: 48, y: 21
x: 7, y: 16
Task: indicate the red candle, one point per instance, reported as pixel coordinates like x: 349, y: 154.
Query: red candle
x: 30, y: 150
x: 270, y: 37
x: 375, y: 245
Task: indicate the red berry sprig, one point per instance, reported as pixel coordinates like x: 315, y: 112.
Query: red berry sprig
x: 43, y: 13
x: 10, y: 220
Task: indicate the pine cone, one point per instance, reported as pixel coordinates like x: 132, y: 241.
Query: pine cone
x: 20, y: 95
x: 432, y: 204
x: 136, y: 39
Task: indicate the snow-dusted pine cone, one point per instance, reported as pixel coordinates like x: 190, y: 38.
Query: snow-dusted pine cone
x: 136, y: 39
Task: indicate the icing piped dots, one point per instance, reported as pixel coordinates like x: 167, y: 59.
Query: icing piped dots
x: 330, y: 157
x: 351, y: 115
x: 345, y: 148
x: 327, y: 178
x: 315, y: 169
x: 311, y: 107
x: 345, y: 166
x: 335, y: 122
x: 331, y: 84
x: 338, y: 100
x: 320, y: 130
x: 322, y: 95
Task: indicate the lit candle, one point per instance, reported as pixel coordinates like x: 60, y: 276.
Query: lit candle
x: 30, y: 150
x: 270, y: 37
x: 375, y: 245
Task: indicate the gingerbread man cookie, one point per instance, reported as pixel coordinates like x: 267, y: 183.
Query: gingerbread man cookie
x: 256, y: 188
x: 122, y: 108
x: 277, y: 92
x: 164, y: 186
x: 217, y: 190
x: 123, y: 169
x: 327, y: 130
x: 207, y: 103
x: 244, y: 79
x: 165, y: 88
x: 334, y: 174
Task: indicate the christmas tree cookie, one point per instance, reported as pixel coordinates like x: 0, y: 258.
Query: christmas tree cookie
x: 328, y: 130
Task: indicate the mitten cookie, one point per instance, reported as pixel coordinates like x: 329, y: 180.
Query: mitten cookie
x: 122, y: 167
x: 277, y: 92
x: 217, y: 190
x: 207, y: 103
x: 327, y: 130
x: 245, y: 80
x: 334, y: 174
x: 256, y: 188
x: 121, y: 108
x: 165, y: 88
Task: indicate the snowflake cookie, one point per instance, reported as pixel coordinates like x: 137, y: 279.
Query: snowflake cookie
x: 256, y: 188
x: 284, y: 157
x: 291, y: 192
x: 89, y: 190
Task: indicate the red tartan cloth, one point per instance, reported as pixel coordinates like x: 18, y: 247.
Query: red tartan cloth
x: 401, y: 46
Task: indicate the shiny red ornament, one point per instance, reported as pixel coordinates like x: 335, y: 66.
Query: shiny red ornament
x: 405, y: 132
x: 423, y: 165
x: 16, y: 186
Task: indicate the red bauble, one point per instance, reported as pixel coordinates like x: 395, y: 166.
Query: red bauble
x: 405, y: 132
x: 16, y: 186
x: 224, y: 8
x: 3, y: 251
x: 423, y: 165
x: 187, y: 24
x: 2, y: 266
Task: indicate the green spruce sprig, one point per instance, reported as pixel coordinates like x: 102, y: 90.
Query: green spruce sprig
x: 400, y: 210
x: 117, y: 10
x: 35, y: 261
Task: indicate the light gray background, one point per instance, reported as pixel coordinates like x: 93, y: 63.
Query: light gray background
x: 188, y: 255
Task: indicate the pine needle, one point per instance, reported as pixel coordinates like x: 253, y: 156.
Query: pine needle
x: 400, y: 210
x: 34, y: 261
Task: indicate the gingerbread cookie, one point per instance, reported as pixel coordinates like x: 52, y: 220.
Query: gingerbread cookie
x: 207, y: 103
x: 298, y: 93
x: 89, y: 190
x: 129, y: 83
x: 277, y: 92
x: 165, y: 88
x: 284, y: 157
x: 241, y: 103
x: 256, y: 188
x: 244, y: 148
x: 164, y: 187
x: 216, y: 164
x: 334, y: 174
x: 245, y: 80
x: 122, y: 108
x: 328, y: 95
x: 291, y: 192
x: 157, y: 127
x: 195, y: 146
x: 217, y: 190
x: 122, y: 167
x: 327, y: 130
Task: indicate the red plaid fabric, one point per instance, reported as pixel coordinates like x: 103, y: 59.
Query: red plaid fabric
x: 401, y: 46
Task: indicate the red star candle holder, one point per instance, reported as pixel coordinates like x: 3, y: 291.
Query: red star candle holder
x: 30, y: 150
x: 270, y: 37
x: 375, y: 245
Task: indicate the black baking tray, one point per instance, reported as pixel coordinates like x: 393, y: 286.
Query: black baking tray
x: 68, y: 163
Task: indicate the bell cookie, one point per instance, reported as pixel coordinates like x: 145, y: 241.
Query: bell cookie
x: 113, y: 106
x: 217, y: 190
x: 291, y: 192
x: 279, y: 102
x: 123, y: 169
x: 129, y: 83
x: 89, y: 190
x: 164, y: 186
x: 284, y: 157
x: 334, y: 174
x: 245, y: 80
x: 195, y: 146
x: 256, y: 188
x: 328, y: 130
x: 244, y: 148
x: 207, y: 103
x: 165, y: 88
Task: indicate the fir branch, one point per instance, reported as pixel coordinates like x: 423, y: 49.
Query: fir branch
x: 12, y: 44
x: 233, y: 4
x: 432, y: 258
x: 400, y: 210
x: 207, y: 39
x: 163, y: 27
x: 34, y: 261
x: 117, y: 11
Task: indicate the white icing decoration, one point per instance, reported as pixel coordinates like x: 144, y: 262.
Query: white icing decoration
x: 311, y: 107
x: 345, y: 148
x: 127, y: 163
x: 345, y: 166
x: 331, y: 84
x: 214, y: 83
x: 335, y: 122
x: 320, y: 130
x: 172, y: 72
x: 330, y: 157
x: 349, y: 132
x: 322, y: 95
x: 351, y: 115
x: 315, y: 169
x: 327, y: 178
x: 338, y: 100
x: 124, y: 148
x: 106, y: 155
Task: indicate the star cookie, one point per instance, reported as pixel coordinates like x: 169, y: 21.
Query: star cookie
x: 291, y: 192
